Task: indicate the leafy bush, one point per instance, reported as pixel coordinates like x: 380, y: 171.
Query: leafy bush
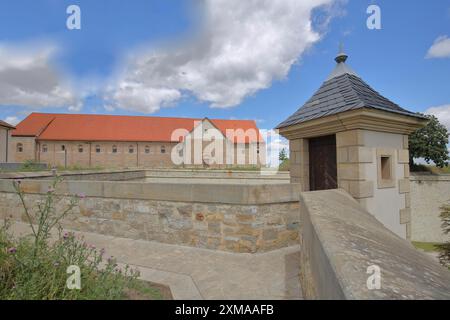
x: 284, y: 165
x: 31, y: 165
x: 35, y: 267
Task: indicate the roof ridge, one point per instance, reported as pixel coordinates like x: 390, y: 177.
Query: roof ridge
x: 45, y: 128
x: 94, y: 127
x: 136, y: 116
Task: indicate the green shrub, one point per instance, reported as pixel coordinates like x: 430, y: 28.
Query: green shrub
x: 284, y: 165
x: 35, y: 267
x: 79, y: 168
x: 30, y: 165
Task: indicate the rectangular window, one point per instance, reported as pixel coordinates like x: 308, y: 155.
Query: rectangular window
x: 386, y: 170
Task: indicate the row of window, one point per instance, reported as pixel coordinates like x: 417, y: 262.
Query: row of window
x: 97, y: 148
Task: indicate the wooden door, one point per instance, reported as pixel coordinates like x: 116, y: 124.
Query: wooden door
x: 322, y: 163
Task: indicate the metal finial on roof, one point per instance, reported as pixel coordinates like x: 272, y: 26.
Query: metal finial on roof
x: 341, y: 57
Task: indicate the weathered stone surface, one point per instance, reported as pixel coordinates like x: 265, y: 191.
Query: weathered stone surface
x: 403, y: 156
x: 295, y: 145
x: 214, y: 217
x: 185, y: 210
x: 346, y: 240
x: 349, y: 138
x: 404, y: 186
x: 406, y: 171
x: 360, y: 154
x: 214, y: 228
x: 361, y: 189
x: 407, y: 200
x: 342, y: 155
x: 405, y: 216
x: 200, y: 217
x: 119, y: 216
x: 180, y: 224
x: 220, y: 226
x: 405, y: 142
x: 86, y: 212
x: 351, y: 171
x: 428, y: 194
x: 270, y: 234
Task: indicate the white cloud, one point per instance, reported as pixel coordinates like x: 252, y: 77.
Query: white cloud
x: 12, y: 120
x: 243, y: 46
x: 442, y: 113
x: 28, y: 78
x: 144, y: 99
x: 440, y: 48
x: 109, y: 108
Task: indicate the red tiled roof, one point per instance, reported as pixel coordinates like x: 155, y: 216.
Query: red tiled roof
x: 78, y: 127
x: 6, y: 125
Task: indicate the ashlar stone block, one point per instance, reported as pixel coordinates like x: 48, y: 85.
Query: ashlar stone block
x: 405, y: 216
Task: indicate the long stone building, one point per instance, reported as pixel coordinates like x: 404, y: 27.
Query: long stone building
x: 129, y: 141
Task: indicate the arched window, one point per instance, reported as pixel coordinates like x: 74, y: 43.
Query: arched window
x: 63, y: 148
x: 114, y: 149
x: 147, y: 149
x: 131, y: 149
x: 163, y: 149
x: 44, y: 148
x: 97, y: 149
x: 80, y: 148
x: 19, y: 147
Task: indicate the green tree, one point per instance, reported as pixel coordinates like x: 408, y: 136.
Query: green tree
x: 283, y: 155
x: 430, y: 143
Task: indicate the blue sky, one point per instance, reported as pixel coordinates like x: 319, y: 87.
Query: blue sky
x: 237, y: 61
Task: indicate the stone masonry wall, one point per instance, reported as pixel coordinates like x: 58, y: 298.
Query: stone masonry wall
x: 341, y: 241
x: 359, y: 154
x: 428, y: 194
x: 253, y: 226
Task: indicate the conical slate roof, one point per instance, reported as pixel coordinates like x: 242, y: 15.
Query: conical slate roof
x: 343, y: 91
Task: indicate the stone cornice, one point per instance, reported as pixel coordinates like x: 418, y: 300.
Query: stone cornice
x: 366, y: 119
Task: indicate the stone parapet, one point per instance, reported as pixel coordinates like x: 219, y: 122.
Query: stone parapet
x: 343, y: 246
x: 236, y: 218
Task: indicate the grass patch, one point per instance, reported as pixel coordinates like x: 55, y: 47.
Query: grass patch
x: 144, y: 290
x: 427, y: 246
x: 79, y: 168
x: 31, y: 166
x: 27, y: 166
x: 230, y: 168
x: 430, y: 169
